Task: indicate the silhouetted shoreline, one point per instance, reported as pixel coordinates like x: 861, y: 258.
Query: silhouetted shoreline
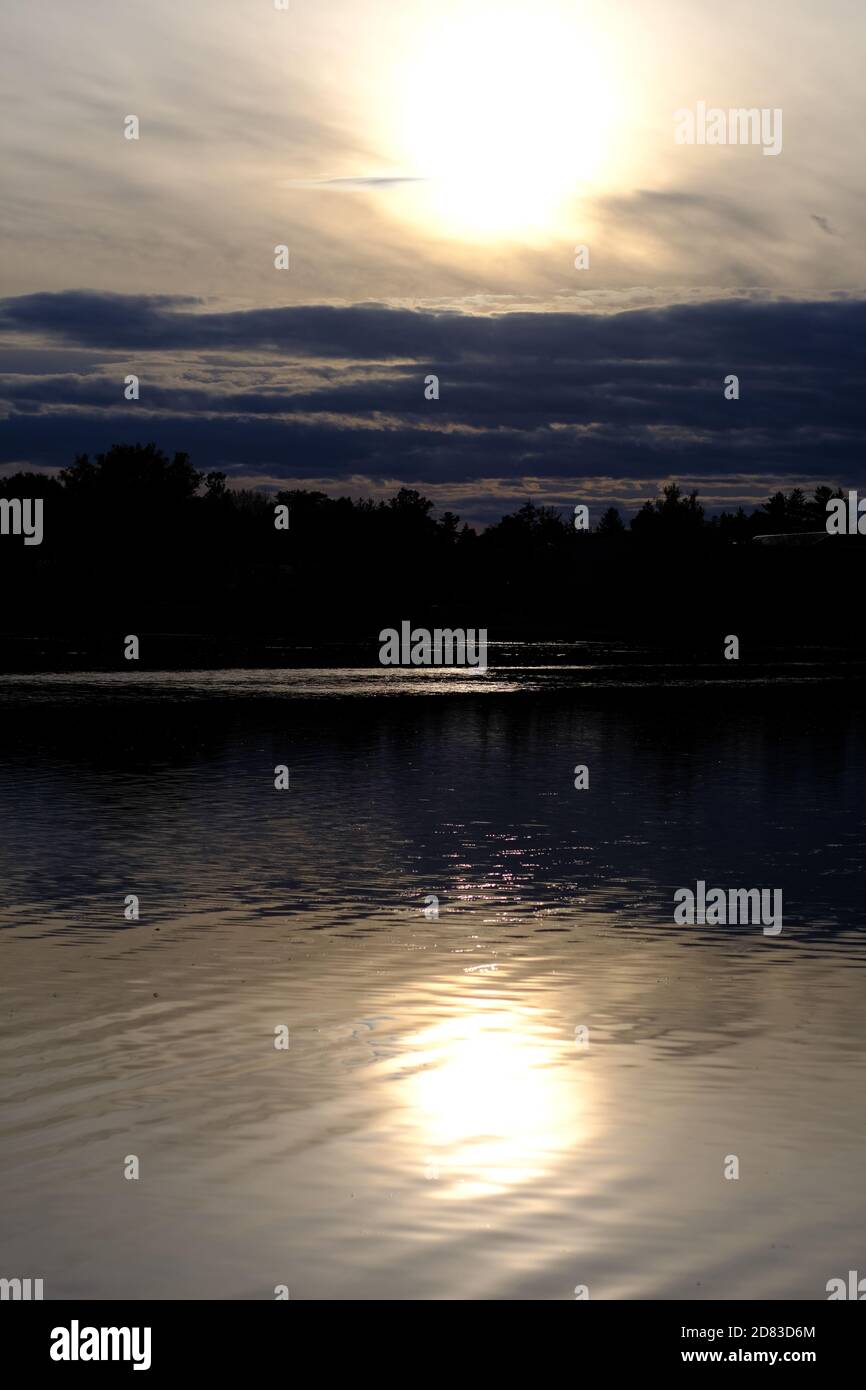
x: 205, y: 577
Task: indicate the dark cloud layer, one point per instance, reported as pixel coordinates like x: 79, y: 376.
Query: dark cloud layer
x: 333, y: 393
x: 746, y: 330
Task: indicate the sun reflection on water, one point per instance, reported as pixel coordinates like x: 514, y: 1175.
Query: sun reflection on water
x: 495, y: 1097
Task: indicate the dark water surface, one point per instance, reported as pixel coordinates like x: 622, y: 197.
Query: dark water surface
x: 434, y: 1129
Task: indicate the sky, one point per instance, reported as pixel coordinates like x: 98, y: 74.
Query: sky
x: 432, y: 169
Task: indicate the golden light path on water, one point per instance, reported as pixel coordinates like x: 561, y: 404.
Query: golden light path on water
x: 489, y: 1101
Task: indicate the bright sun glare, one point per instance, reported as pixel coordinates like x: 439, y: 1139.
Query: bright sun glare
x: 506, y: 110
x: 494, y: 1098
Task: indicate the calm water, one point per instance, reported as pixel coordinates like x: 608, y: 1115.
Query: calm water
x: 433, y: 1130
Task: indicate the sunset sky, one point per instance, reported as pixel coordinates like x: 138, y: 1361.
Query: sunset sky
x: 432, y: 167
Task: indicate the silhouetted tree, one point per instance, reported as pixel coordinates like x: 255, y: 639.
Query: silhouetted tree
x: 671, y: 516
x: 611, y: 524
x: 127, y: 472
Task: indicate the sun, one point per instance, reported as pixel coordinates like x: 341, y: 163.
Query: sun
x: 505, y: 110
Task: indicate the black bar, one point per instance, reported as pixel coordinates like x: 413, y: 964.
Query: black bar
x: 283, y: 1338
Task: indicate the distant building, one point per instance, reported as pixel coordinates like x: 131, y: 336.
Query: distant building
x: 795, y: 538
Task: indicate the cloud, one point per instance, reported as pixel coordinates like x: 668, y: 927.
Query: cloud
x: 824, y: 224
x: 619, y: 400
x: 249, y: 116
x: 358, y: 182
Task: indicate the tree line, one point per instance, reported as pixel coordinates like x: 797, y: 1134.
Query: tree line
x: 135, y: 536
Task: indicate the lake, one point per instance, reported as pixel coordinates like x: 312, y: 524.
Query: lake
x: 539, y: 1088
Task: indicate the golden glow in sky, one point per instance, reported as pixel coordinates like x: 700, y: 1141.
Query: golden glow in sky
x: 533, y: 126
x: 507, y: 110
